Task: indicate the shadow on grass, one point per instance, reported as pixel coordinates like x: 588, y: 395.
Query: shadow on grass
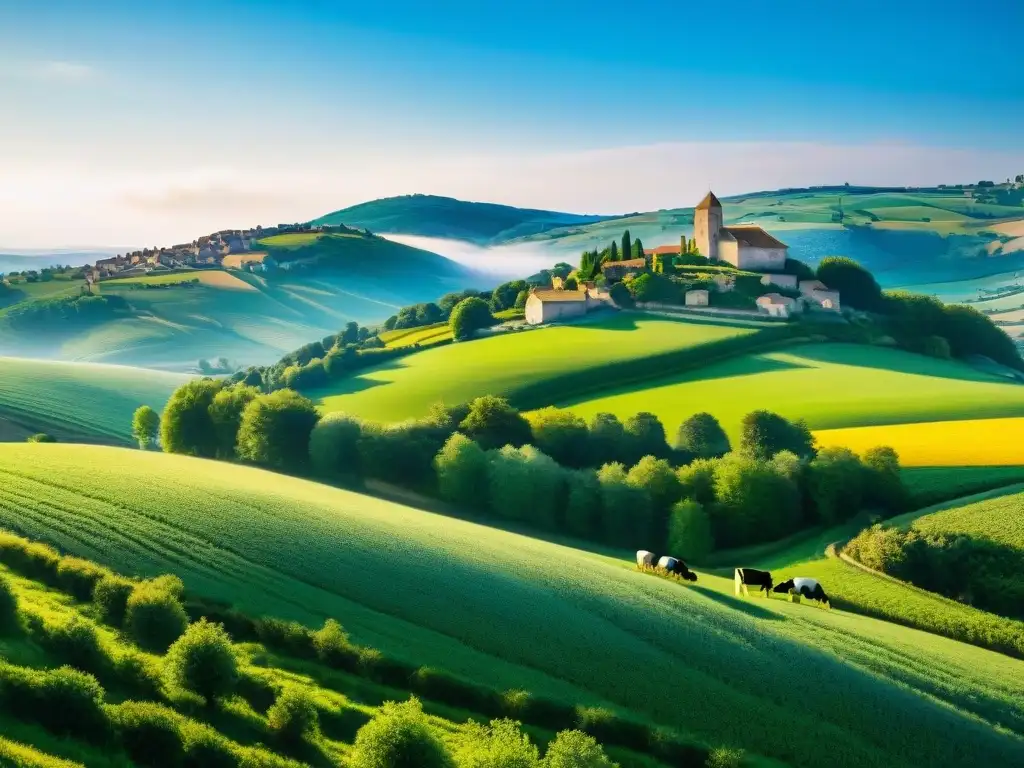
x: 343, y: 725
x: 737, y: 604
x: 894, y: 360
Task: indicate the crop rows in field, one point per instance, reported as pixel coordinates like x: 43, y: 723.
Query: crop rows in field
x: 930, y: 485
x: 517, y: 612
x: 1000, y: 519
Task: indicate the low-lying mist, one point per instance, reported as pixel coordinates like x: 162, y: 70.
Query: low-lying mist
x: 504, y: 262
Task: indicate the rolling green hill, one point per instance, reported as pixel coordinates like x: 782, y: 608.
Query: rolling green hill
x: 533, y: 362
x: 446, y: 217
x: 829, y: 385
x: 999, y: 518
x: 77, y: 401
x: 807, y: 686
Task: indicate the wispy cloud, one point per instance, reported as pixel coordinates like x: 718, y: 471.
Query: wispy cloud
x: 63, y: 71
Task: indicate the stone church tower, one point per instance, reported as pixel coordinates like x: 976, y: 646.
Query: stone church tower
x: 707, y: 223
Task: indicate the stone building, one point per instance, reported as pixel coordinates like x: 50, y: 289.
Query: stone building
x: 545, y: 306
x: 745, y: 247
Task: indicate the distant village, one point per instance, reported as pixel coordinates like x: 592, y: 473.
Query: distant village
x: 229, y: 249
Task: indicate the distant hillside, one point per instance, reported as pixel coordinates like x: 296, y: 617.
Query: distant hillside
x: 434, y: 216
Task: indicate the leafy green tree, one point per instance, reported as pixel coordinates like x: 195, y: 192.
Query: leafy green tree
x: 493, y: 423
x: 654, y: 287
x: 627, y: 245
x: 502, y: 744
x: 462, y: 468
x: 626, y: 509
x: 226, y: 414
x: 836, y: 484
x: 765, y: 433
x: 521, y: 298
x: 645, y: 436
x: 702, y: 436
x: 526, y: 485
x: 186, y: 426
x: 351, y: 333
x: 883, y: 484
x: 607, y: 440
x: 562, y: 435
x: 753, y: 502
x: 659, y: 480
x: 203, y: 661
x: 275, y: 431
x: 857, y: 287
x: 334, y: 446
x: 401, y: 453
x: 689, y: 531
x: 294, y: 717
x: 399, y: 736
x: 970, y: 332
x: 697, y: 481
x: 469, y: 316
x: 145, y: 426
x: 504, y: 296
x: 583, y: 505
x: 570, y: 284
x: 801, y: 270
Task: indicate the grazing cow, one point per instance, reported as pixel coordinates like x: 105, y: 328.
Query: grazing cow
x: 677, y: 566
x: 807, y: 587
x: 747, y: 576
x: 645, y: 559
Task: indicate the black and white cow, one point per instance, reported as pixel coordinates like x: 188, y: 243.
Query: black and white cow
x: 745, y: 577
x: 807, y: 587
x: 676, y: 566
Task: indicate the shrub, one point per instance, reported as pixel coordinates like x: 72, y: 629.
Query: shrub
x: 204, y: 748
x: 575, y: 749
x: 68, y: 701
x: 399, y: 737
x: 154, y: 617
x: 31, y: 559
x: 702, y: 436
x: 440, y: 686
x: 689, y: 531
x: 275, y: 431
x: 149, y: 734
x: 725, y: 757
x: 111, y: 595
x: 333, y: 647
x: 75, y: 641
x: 79, y: 577
x: 293, y: 717
x: 493, y: 423
x: 606, y: 726
x: 139, y: 675
x: 170, y: 583
x: 856, y: 285
x: 41, y: 437
x: 186, y: 426
x: 469, y: 316
x: 461, y: 467
x: 334, y: 446
x: 203, y: 661
x: 502, y: 744
x: 10, y: 619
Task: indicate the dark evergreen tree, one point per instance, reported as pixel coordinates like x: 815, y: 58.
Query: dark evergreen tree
x: 614, y: 255
x: 627, y: 245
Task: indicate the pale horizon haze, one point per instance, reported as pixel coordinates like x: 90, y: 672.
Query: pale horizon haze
x: 133, y: 126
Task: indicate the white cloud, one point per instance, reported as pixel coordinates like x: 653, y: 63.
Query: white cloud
x: 64, y: 203
x: 62, y: 71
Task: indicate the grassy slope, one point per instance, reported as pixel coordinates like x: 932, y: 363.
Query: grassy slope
x: 80, y: 401
x: 931, y: 485
x: 407, y: 387
x: 1000, y: 518
x: 829, y: 385
x: 808, y: 686
x: 434, y: 216
x: 941, y: 443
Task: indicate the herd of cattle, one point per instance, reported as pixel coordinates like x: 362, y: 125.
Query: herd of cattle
x: 743, y: 577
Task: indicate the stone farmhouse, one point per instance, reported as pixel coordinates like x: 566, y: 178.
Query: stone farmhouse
x: 546, y: 305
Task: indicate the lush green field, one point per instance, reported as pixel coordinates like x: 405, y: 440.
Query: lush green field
x: 829, y: 385
x: 931, y: 485
x: 80, y: 401
x: 506, y: 364
x: 807, y: 686
x: 215, y: 277
x: 1000, y: 519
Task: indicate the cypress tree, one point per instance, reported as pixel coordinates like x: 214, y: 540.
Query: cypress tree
x: 638, y: 248
x: 615, y: 252
x: 627, y: 245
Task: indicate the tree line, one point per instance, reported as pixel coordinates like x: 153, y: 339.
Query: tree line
x: 615, y: 482
x: 67, y: 313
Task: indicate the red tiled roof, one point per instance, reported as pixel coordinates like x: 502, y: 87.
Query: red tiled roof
x: 553, y: 295
x: 663, y: 250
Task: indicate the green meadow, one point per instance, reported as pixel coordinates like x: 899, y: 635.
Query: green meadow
x: 999, y: 518
x: 511, y: 362
x: 828, y: 385
x: 802, y: 685
x: 80, y: 401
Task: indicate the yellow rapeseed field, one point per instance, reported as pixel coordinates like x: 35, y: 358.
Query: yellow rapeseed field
x: 967, y: 443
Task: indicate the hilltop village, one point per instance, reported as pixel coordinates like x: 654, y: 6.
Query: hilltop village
x: 723, y: 270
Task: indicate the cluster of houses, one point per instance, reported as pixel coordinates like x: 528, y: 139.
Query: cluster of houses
x: 229, y: 248
x: 749, y: 248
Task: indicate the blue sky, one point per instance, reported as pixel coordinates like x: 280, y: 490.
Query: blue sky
x: 138, y: 119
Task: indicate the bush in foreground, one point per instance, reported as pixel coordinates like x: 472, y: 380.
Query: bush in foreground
x: 294, y: 717
x: 10, y: 621
x: 399, y: 736
x: 79, y: 577
x: 111, y: 595
x: 502, y: 743
x: 154, y: 617
x: 275, y: 431
x: 203, y: 661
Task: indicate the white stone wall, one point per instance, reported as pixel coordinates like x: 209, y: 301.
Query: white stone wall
x: 728, y: 251
x: 761, y: 259
x: 538, y: 312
